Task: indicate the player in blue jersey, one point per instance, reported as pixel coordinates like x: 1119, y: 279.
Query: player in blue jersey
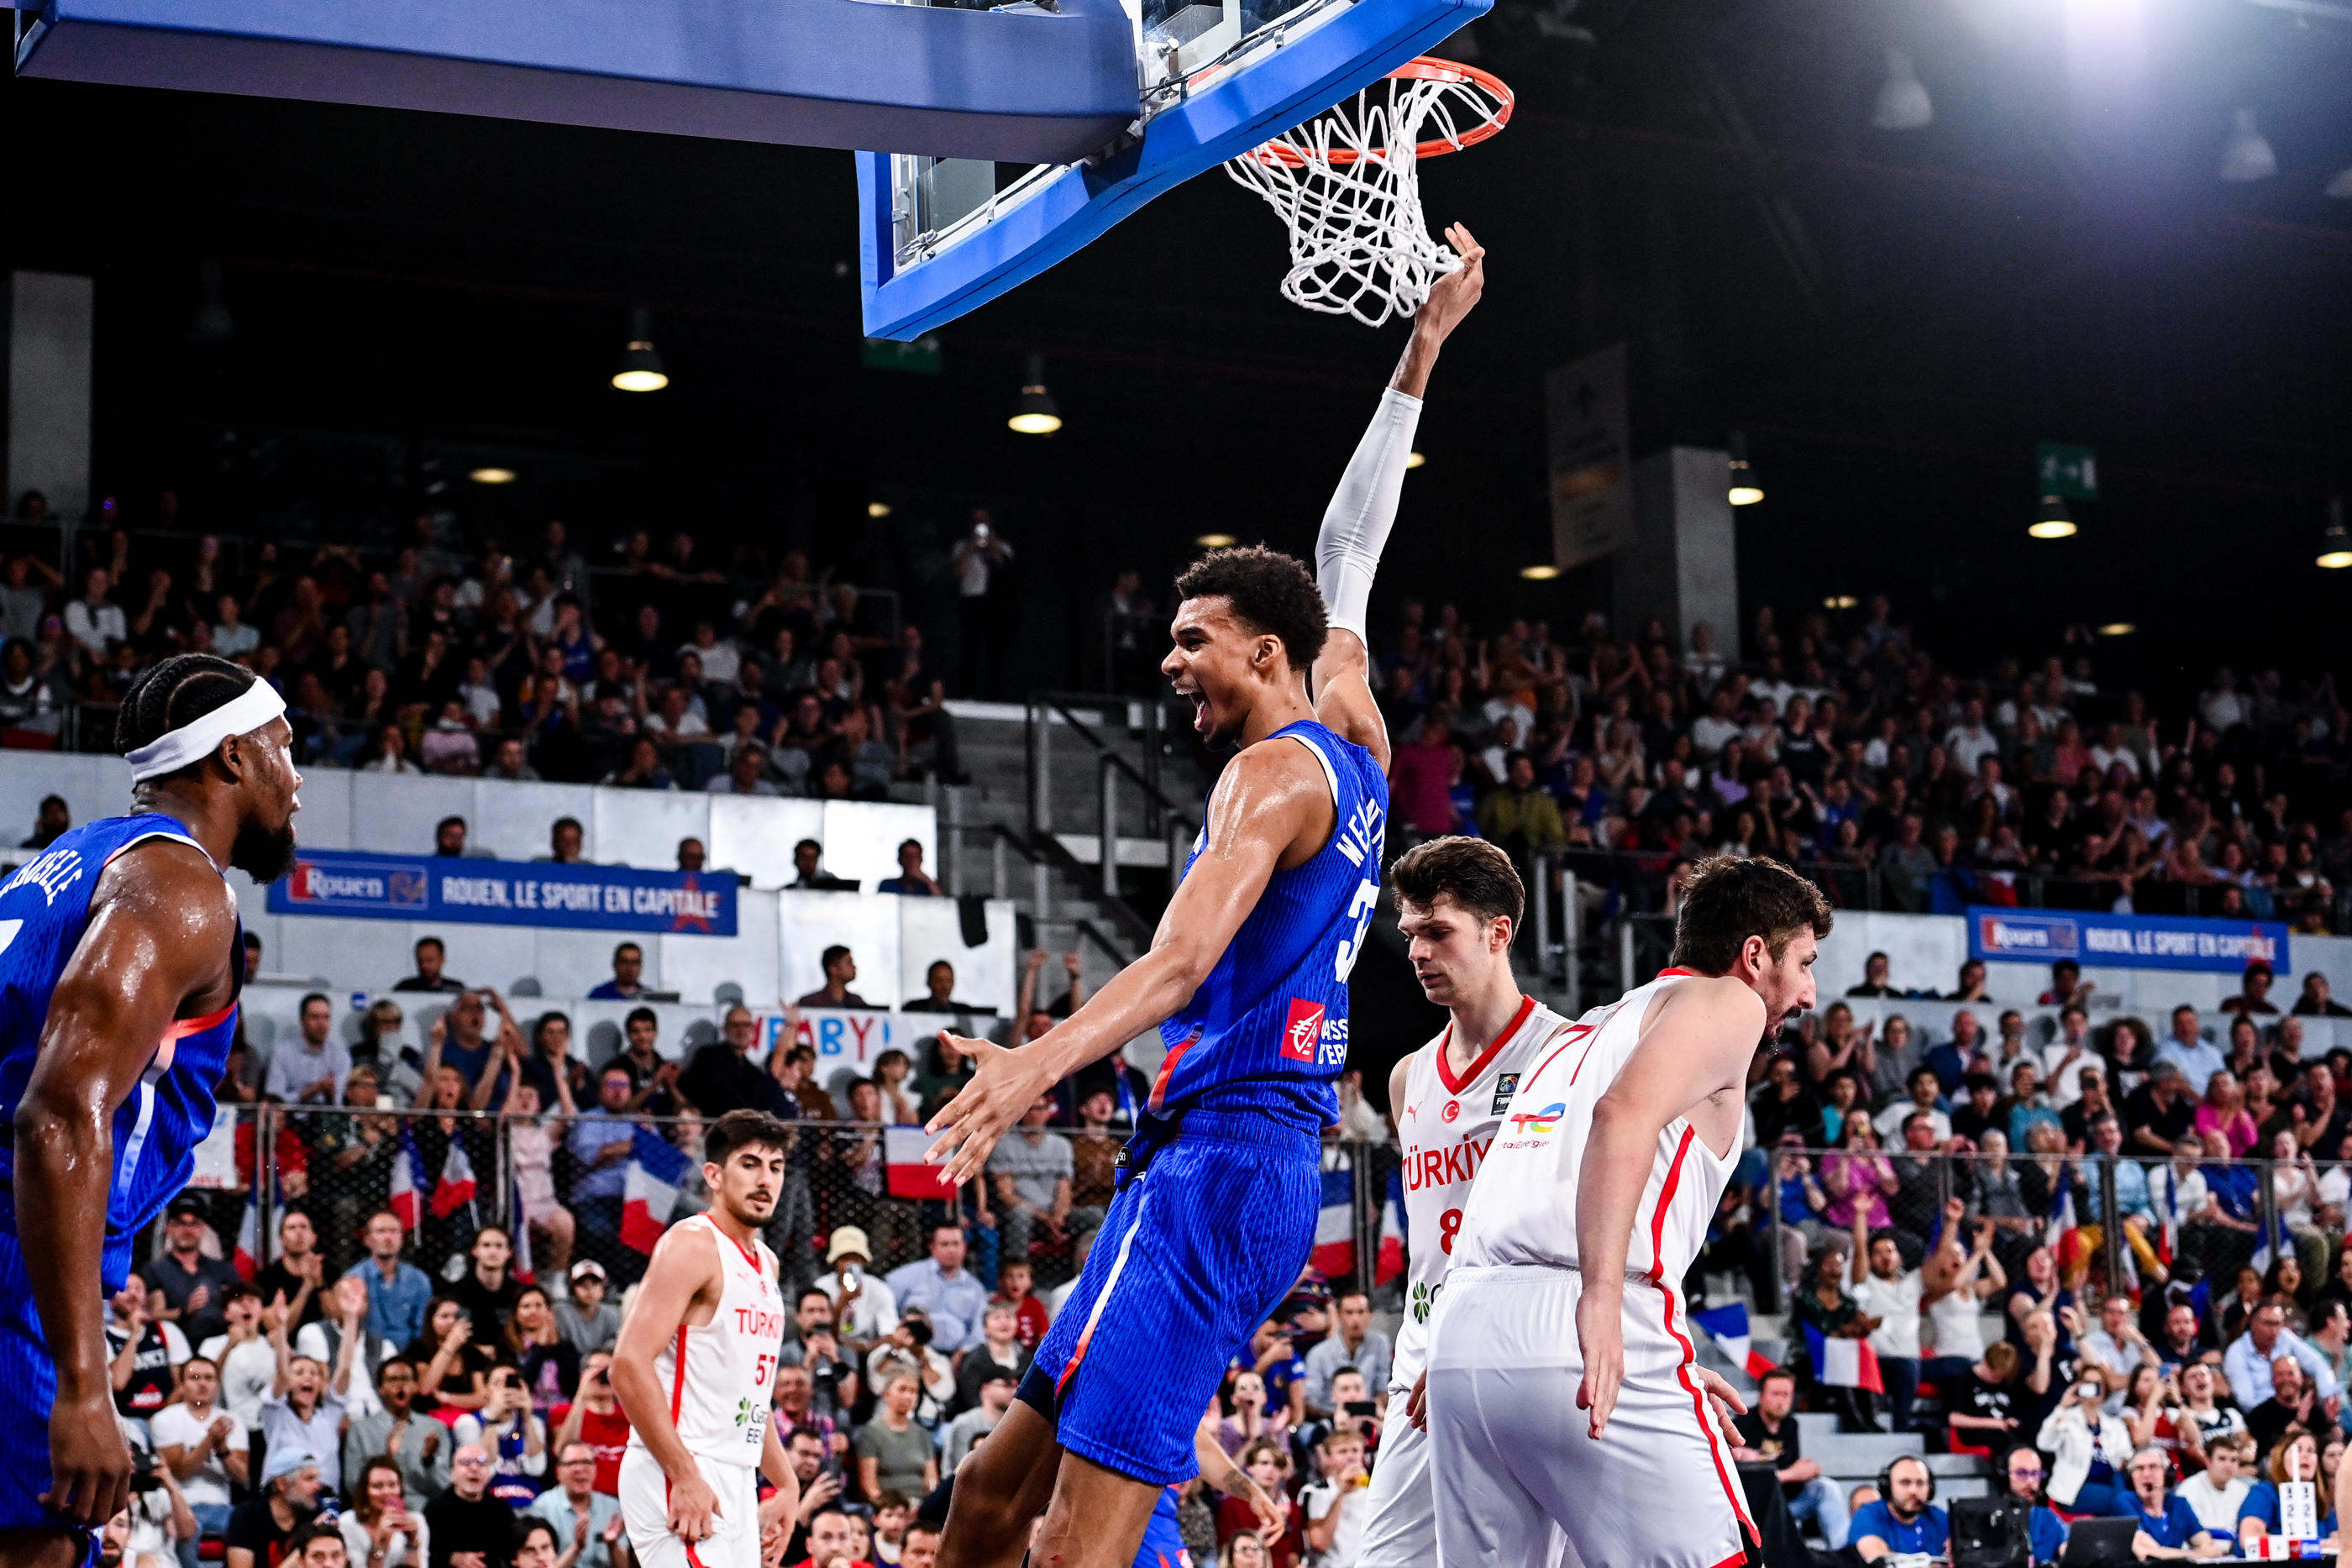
x: 120, y: 960
x: 1247, y: 983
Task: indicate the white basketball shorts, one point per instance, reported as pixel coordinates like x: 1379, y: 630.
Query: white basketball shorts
x: 1513, y: 1457
x: 1403, y: 1530
x: 734, y: 1539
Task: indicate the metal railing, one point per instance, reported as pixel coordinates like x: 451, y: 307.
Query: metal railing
x: 462, y: 1170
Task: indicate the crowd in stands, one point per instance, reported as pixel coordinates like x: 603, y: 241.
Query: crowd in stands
x: 2166, y: 1328
x: 659, y: 671
x: 1845, y: 750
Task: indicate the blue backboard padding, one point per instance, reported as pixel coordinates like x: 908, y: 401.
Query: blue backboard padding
x: 1369, y: 39
x: 1026, y: 86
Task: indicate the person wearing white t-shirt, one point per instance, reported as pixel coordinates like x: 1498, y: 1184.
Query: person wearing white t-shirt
x: 1886, y: 1290
x: 2214, y: 1492
x: 2066, y: 1059
x: 248, y: 1361
x: 1337, y: 1505
x: 205, y: 1446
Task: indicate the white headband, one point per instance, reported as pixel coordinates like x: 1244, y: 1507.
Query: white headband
x: 201, y: 737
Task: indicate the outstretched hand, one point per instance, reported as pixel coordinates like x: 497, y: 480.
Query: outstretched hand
x: 1452, y: 296
x: 1003, y: 1085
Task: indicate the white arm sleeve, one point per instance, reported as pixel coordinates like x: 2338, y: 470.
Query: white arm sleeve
x: 1356, y: 524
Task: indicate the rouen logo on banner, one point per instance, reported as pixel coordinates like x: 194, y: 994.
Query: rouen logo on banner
x: 391, y: 885
x: 1302, y: 1032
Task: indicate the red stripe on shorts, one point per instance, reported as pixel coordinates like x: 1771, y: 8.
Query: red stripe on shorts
x: 1690, y: 1353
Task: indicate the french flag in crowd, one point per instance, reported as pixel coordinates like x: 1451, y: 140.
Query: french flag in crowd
x: 1843, y: 1363
x: 1390, y: 1261
x: 2061, y: 1211
x: 248, y: 1237
x: 1335, y: 1227
x: 454, y: 1189
x: 903, y: 1168
x: 407, y: 1179
x: 649, y: 1190
x: 1727, y: 1326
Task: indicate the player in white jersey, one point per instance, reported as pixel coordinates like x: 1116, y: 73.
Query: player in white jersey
x: 1589, y: 1209
x: 1458, y: 904
x: 696, y: 1370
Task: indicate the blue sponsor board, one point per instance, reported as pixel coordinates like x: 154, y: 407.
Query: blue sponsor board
x: 353, y: 884
x: 2126, y: 941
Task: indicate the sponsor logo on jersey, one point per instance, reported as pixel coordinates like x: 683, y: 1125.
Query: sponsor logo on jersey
x: 1302, y: 1031
x: 1540, y: 1121
x: 1504, y: 1087
x: 1425, y: 1297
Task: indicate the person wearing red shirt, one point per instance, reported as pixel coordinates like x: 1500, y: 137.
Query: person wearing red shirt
x: 594, y: 1418
x: 1012, y: 1279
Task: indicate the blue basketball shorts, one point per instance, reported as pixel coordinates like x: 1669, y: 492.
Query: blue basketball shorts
x: 1196, y: 1252
x: 28, y: 1388
x: 1163, y: 1544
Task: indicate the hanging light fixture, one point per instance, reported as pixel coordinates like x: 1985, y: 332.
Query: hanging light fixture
x: 1034, y: 413
x: 2118, y: 629
x: 2336, y: 542
x: 877, y: 508
x: 1902, y: 98
x: 1541, y: 572
x: 492, y: 476
x: 2053, y: 520
x: 1840, y: 601
x: 2246, y: 156
x: 641, y: 369
x: 1746, y: 486
x: 1414, y: 460
x: 1216, y: 541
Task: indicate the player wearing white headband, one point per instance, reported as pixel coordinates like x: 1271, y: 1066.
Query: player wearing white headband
x: 120, y: 958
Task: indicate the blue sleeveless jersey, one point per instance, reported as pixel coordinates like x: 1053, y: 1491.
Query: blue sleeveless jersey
x: 1268, y: 1032
x: 44, y: 909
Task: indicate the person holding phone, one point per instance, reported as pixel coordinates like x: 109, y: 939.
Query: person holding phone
x: 379, y: 1530
x: 2090, y: 1449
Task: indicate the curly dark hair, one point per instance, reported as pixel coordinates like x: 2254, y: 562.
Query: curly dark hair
x: 1729, y: 899
x: 1272, y: 594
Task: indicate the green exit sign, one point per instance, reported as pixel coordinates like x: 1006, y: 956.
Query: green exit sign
x: 923, y: 356
x: 2072, y: 472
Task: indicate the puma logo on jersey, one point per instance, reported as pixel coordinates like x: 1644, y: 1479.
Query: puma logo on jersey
x: 1457, y: 1162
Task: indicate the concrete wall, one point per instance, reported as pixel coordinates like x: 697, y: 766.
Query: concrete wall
x: 1682, y: 563
x: 49, y: 325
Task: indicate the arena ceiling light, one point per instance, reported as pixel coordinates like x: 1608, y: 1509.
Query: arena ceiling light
x: 1903, y: 102
x: 2118, y: 629
x: 2053, y: 520
x: 877, y: 508
x: 1216, y: 541
x: 641, y: 369
x: 2335, y: 541
x: 1840, y: 601
x: 2340, y: 187
x: 492, y: 476
x: 1034, y: 413
x: 1746, y: 486
x: 1542, y: 571
x: 1414, y: 459
x: 2246, y: 156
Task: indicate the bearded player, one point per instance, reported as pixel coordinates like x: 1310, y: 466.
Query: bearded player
x: 1247, y: 983
x: 1588, y: 1211
x: 120, y: 961
x: 1458, y: 904
x: 695, y: 1370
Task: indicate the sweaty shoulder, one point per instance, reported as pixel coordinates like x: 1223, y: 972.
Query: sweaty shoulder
x: 167, y: 882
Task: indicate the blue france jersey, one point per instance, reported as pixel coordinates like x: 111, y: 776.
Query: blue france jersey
x: 44, y: 909
x: 1268, y: 1032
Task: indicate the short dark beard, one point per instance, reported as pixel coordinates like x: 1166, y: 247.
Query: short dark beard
x: 262, y: 854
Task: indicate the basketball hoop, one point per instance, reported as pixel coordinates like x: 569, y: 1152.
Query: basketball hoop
x: 1348, y: 184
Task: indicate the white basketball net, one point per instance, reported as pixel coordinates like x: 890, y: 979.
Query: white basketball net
x: 1348, y: 184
